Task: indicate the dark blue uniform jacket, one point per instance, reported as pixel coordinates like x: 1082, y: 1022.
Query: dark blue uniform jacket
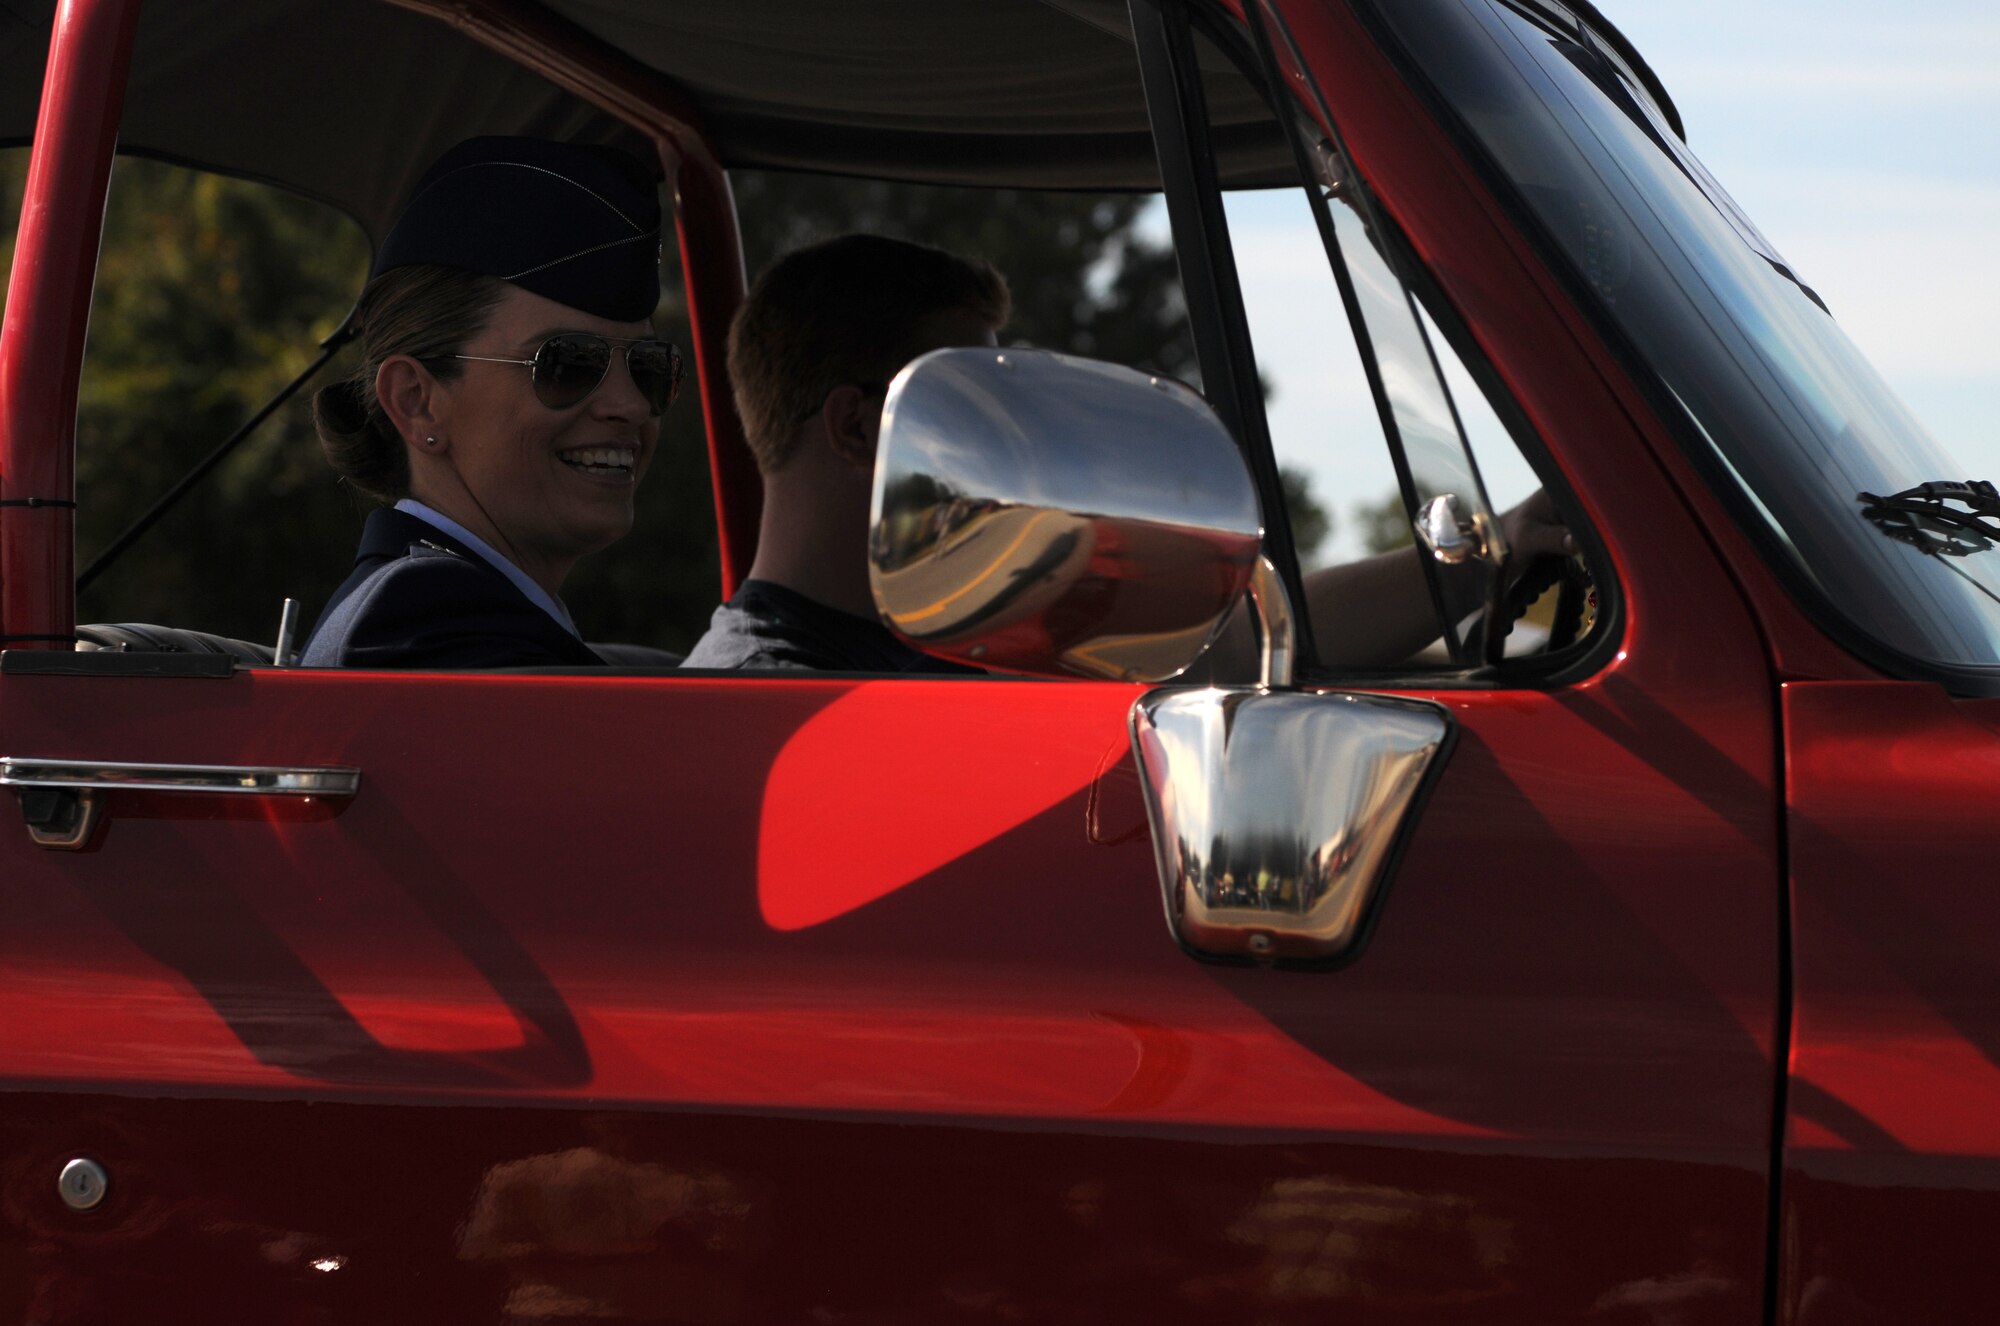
x: 418, y: 598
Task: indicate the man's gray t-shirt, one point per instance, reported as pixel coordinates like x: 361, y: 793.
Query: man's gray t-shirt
x: 768, y: 626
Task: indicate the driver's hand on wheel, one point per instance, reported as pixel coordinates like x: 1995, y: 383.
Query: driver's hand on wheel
x: 1532, y: 531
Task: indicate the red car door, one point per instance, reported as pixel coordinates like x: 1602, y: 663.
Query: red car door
x: 854, y: 996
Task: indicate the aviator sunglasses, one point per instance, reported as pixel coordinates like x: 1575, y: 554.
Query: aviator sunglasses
x: 569, y: 366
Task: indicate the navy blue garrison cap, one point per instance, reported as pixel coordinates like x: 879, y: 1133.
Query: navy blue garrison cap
x: 573, y: 223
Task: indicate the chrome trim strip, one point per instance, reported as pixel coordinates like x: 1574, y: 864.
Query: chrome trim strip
x: 238, y: 779
x: 1277, y: 633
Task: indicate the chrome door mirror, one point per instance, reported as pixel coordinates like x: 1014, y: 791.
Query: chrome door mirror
x: 1039, y: 513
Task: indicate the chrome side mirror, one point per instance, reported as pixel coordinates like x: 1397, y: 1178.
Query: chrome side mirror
x: 1035, y: 512
x: 1039, y: 513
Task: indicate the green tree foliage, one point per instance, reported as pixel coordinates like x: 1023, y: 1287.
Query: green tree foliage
x: 212, y: 293
x: 1085, y: 279
x: 1310, y: 520
x: 1384, y: 524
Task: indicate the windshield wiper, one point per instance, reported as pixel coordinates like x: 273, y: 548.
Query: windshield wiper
x: 1942, y: 518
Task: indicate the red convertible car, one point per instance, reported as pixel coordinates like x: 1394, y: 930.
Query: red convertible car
x: 1641, y: 970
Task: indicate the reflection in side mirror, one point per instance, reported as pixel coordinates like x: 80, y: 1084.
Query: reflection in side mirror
x: 1040, y: 513
x: 1277, y: 815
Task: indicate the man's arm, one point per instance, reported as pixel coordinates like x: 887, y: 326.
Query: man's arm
x: 1377, y: 611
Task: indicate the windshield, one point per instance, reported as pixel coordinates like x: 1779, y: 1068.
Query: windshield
x: 1802, y: 424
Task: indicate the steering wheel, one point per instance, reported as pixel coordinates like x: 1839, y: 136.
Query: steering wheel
x: 1576, y: 602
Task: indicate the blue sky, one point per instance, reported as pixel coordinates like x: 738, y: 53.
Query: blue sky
x: 1863, y: 139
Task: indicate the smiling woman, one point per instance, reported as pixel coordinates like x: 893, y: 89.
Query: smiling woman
x: 512, y: 254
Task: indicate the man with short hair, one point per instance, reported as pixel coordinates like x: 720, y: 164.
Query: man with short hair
x: 811, y: 354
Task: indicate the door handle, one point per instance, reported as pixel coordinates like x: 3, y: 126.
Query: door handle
x: 59, y: 797
x: 243, y: 779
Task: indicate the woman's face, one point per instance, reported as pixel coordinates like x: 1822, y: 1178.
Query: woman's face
x: 552, y: 485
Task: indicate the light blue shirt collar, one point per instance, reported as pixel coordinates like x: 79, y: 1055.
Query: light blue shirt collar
x: 538, y: 596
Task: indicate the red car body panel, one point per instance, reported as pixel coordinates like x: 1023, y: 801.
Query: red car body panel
x: 48, y: 310
x: 555, y: 911
x: 1892, y: 1154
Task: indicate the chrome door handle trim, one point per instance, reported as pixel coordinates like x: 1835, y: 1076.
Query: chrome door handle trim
x: 236, y: 779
